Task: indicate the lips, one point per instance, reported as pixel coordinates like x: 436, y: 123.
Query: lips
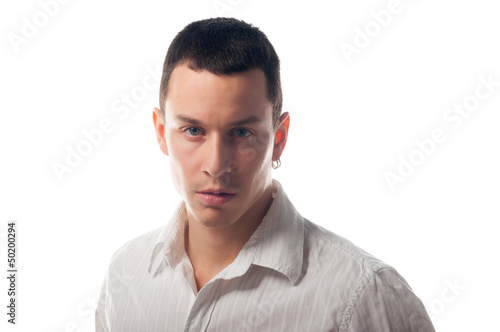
x: 212, y: 193
x: 210, y: 198
x: 216, y: 191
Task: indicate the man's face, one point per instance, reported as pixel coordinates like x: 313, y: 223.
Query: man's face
x: 219, y: 135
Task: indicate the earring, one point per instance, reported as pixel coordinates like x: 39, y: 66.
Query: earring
x: 278, y: 163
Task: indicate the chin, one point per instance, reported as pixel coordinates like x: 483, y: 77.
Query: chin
x: 212, y: 217
x: 214, y: 222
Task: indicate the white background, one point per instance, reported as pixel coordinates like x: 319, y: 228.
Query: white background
x: 350, y: 121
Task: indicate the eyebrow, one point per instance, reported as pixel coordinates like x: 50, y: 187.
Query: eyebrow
x: 193, y: 121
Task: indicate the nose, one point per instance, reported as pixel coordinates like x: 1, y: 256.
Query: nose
x: 216, y: 161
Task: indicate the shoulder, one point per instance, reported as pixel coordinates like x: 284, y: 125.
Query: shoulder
x: 338, y: 251
x: 365, y: 286
x: 341, y: 268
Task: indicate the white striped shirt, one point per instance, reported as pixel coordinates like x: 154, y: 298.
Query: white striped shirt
x: 291, y: 275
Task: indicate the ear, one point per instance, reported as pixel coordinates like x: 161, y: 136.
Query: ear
x: 160, y: 130
x: 281, y: 135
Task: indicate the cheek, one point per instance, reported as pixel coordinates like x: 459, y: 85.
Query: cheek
x: 254, y: 155
x: 179, y: 149
x: 182, y: 164
x: 256, y: 149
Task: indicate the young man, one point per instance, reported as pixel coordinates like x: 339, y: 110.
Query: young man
x: 236, y: 255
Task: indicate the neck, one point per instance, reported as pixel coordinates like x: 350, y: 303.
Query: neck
x: 211, y: 249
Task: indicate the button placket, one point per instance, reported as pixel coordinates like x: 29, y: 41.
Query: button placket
x: 203, y: 307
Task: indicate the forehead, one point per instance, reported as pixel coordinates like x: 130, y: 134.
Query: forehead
x: 218, y: 98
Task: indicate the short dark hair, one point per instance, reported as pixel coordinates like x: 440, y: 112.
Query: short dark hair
x: 224, y: 46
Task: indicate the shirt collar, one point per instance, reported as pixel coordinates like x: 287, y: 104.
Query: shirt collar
x: 171, y: 240
x: 277, y: 243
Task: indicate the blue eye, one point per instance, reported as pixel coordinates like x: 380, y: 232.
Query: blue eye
x: 242, y: 132
x: 193, y: 131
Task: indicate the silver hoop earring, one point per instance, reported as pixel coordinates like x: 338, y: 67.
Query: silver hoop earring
x: 278, y: 163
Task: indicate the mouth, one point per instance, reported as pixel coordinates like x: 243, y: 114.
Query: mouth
x: 212, y: 193
x: 211, y: 198
x: 215, y: 191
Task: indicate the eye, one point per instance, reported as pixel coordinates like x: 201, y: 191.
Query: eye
x: 193, y: 131
x: 241, y: 132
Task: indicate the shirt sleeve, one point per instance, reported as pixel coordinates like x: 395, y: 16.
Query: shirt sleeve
x: 387, y: 303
